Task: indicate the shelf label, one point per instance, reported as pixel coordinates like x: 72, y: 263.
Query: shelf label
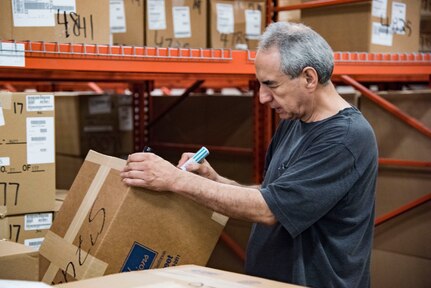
x: 12, y: 54
x: 156, y: 15
x: 40, y: 140
x: 225, y: 18
x: 30, y: 13
x: 181, y: 19
x: 379, y: 8
x: 252, y: 24
x: 117, y: 16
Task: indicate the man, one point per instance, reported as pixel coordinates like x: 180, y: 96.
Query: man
x: 314, y: 211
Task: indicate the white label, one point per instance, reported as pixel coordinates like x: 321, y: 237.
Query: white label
x: 381, y: 34
x: 2, y: 122
x: 39, y: 13
x: 182, y: 25
x: 252, y: 24
x: 34, y: 242
x: 99, y: 104
x: 117, y: 16
x: 98, y: 128
x: 379, y: 8
x: 4, y: 161
x: 225, y: 18
x: 156, y: 15
x: 12, y: 54
x: 40, y: 140
x: 40, y: 103
x: 40, y: 221
x: 398, y: 18
x: 125, y: 118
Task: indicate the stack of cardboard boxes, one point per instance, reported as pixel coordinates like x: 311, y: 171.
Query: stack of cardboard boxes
x: 27, y: 169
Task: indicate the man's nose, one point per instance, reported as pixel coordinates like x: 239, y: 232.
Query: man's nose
x: 265, y: 95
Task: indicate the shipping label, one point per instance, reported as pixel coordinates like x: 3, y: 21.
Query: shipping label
x: 34, y: 242
x: 225, y: 18
x: 40, y: 140
x: 37, y: 103
x: 182, y: 24
x: 253, y: 22
x: 381, y: 34
x: 117, y: 16
x: 12, y: 54
x: 39, y: 221
x: 379, y: 8
x: 156, y: 15
x: 398, y: 22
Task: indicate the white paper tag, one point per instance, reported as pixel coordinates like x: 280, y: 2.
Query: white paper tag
x: 39, y: 13
x: 40, y: 140
x: 252, y: 24
x: 34, y: 242
x: 225, y: 18
x: 181, y: 19
x: 4, y: 161
x: 156, y: 15
x: 39, y: 221
x: 12, y: 54
x: 40, y: 103
x: 381, y: 35
x: 99, y: 104
x: 117, y: 16
x: 398, y: 18
x: 125, y: 118
x: 2, y: 122
x: 379, y: 8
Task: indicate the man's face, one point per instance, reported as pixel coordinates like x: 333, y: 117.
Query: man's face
x: 277, y: 89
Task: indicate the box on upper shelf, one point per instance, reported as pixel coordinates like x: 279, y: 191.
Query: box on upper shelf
x: 376, y: 26
x: 128, y: 22
x: 236, y: 24
x: 77, y: 21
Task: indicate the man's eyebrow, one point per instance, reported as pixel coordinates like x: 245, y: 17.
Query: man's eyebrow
x: 268, y: 82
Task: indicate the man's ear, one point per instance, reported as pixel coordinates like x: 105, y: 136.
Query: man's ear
x: 311, y: 77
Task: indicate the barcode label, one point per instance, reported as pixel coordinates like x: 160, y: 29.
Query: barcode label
x: 34, y: 242
x: 40, y: 103
x: 39, y: 221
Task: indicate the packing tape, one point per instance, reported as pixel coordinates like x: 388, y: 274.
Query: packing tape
x: 92, y: 267
x: 80, y: 216
x: 107, y: 161
x: 219, y: 218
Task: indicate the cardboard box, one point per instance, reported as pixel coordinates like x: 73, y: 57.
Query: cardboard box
x: 67, y: 168
x: 131, y: 30
x: 176, y: 23
x: 88, y: 23
x: 236, y: 24
x: 28, y: 229
x: 363, y: 27
x: 105, y: 227
x: 18, y: 262
x: 397, y: 270
x: 99, y: 122
x: 27, y: 168
x: 180, y: 276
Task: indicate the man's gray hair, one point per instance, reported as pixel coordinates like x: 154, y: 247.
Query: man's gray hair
x: 299, y: 47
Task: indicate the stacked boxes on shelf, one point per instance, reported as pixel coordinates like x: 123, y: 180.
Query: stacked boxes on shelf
x: 27, y: 166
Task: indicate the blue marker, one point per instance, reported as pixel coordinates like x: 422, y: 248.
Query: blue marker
x: 198, y: 157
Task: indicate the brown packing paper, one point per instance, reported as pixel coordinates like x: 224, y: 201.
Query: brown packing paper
x: 105, y: 227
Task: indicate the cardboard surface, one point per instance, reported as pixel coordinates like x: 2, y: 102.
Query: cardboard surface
x: 18, y: 262
x: 67, y: 168
x: 94, y: 29
x: 27, y: 149
x: 192, y: 21
x: 238, y: 38
x: 180, y: 276
x: 148, y: 229
x: 357, y: 29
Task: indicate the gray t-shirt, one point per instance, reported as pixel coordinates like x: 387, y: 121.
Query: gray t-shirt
x: 320, y: 184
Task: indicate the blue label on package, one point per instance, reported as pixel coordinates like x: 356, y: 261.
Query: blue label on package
x: 139, y: 258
